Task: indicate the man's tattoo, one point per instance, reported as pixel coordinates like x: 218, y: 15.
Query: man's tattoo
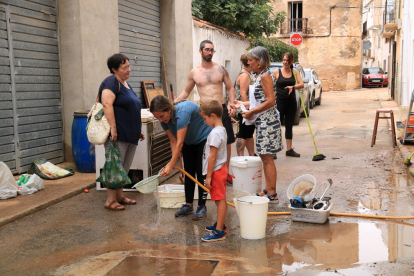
x: 223, y: 70
x: 239, y: 146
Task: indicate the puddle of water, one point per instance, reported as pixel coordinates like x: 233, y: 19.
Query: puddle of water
x: 163, y: 266
x: 333, y: 246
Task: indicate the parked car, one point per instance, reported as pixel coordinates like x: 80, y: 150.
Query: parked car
x: 315, y: 87
x: 305, y: 91
x: 374, y: 76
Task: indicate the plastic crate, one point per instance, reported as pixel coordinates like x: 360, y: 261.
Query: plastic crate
x: 310, y: 215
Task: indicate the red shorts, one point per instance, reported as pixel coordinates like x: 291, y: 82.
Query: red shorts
x: 218, y: 184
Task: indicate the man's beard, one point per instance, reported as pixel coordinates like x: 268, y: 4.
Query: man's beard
x: 208, y: 59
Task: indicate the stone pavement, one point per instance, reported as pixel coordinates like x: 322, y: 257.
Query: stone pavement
x: 58, y: 190
x: 55, y: 191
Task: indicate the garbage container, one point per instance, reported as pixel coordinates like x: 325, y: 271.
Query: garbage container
x: 83, y: 152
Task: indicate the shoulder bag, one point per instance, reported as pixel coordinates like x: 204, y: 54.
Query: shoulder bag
x: 98, y: 127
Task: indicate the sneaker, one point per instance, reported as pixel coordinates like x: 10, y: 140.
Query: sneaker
x: 213, y: 227
x: 292, y: 153
x: 215, y: 235
x: 229, y: 179
x: 184, y: 211
x: 200, y: 212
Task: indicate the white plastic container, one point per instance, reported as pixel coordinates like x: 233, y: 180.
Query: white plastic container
x: 247, y: 172
x: 252, y: 211
x: 298, y: 187
x: 171, y: 195
x: 310, y: 215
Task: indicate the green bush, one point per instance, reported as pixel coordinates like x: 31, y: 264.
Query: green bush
x: 276, y: 48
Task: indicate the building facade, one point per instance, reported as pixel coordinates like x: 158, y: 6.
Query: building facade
x: 331, y: 31
x: 53, y: 58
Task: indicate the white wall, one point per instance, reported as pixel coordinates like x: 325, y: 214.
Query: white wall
x: 228, y: 50
x: 408, y: 52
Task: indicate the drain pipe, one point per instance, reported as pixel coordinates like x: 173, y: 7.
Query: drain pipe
x: 330, y: 21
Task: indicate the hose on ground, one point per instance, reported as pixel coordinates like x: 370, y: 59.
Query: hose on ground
x: 288, y: 213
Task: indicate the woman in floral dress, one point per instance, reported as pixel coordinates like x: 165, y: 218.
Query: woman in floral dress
x: 263, y: 112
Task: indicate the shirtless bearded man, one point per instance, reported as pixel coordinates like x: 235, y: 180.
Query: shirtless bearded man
x: 209, y: 77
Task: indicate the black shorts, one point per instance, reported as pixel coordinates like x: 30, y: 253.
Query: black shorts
x: 227, y: 125
x: 245, y: 131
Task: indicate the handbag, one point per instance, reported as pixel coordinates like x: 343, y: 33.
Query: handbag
x: 113, y: 175
x: 98, y: 127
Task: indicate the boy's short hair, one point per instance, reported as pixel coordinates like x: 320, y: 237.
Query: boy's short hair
x: 211, y: 107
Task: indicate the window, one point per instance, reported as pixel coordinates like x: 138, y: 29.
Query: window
x: 296, y: 16
x: 316, y: 75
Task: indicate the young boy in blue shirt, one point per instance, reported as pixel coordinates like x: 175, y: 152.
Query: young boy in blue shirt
x: 214, y: 166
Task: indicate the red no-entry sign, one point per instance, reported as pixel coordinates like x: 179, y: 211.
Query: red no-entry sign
x: 296, y: 39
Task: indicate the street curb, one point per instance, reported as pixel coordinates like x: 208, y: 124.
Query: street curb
x: 47, y: 204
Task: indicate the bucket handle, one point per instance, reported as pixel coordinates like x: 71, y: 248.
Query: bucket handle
x: 242, y: 164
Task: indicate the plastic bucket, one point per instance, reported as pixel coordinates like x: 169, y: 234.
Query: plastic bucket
x: 247, y: 173
x: 252, y: 211
x: 171, y: 195
x: 83, y: 152
x: 303, y: 186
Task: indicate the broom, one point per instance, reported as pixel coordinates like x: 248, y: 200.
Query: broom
x: 318, y: 156
x: 407, y: 160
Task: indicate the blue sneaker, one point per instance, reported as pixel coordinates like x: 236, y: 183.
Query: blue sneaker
x: 200, y: 213
x: 213, y: 227
x: 184, y: 211
x: 215, y: 235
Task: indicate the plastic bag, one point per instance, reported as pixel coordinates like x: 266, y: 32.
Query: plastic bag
x: 35, y: 182
x: 113, y: 175
x: 23, y: 179
x: 6, y: 193
x: 7, y: 180
x: 24, y: 190
x: 47, y: 170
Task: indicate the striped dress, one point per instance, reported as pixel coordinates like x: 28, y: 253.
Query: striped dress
x: 268, y: 126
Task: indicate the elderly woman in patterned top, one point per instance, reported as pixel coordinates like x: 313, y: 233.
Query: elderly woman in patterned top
x: 266, y: 119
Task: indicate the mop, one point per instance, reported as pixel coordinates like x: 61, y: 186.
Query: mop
x: 318, y: 156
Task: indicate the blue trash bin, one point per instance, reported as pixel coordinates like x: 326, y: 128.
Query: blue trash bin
x: 83, y: 151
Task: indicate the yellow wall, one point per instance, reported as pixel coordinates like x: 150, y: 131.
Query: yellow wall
x: 335, y: 56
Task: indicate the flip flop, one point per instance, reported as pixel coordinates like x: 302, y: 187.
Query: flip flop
x: 117, y: 207
x: 272, y: 198
x: 127, y: 201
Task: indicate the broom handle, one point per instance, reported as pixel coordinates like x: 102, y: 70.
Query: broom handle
x: 306, y: 115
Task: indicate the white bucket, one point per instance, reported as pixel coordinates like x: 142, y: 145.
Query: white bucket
x: 171, y: 195
x: 303, y: 186
x: 252, y: 211
x: 247, y: 173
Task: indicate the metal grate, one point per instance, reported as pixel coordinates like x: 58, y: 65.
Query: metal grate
x: 160, y: 153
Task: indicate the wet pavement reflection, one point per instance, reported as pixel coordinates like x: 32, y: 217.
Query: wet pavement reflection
x: 163, y: 266
x: 333, y: 246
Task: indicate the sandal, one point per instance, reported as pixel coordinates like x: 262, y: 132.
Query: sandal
x: 127, y: 201
x: 115, y: 206
x: 272, y: 198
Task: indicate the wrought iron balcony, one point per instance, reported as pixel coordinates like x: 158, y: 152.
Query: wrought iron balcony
x: 298, y: 25
x: 390, y: 24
